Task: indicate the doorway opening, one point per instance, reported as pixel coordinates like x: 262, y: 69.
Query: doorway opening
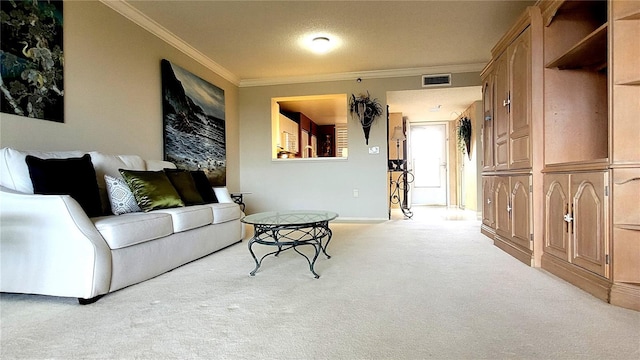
x: 443, y: 176
x: 428, y: 160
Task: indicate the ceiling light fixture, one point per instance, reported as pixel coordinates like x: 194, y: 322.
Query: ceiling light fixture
x: 320, y: 44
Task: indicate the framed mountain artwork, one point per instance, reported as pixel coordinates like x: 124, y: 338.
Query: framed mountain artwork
x: 31, y: 59
x: 194, y: 123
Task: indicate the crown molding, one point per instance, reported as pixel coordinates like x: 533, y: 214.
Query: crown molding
x: 376, y: 74
x: 137, y: 17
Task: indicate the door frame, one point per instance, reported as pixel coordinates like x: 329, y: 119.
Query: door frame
x: 447, y: 151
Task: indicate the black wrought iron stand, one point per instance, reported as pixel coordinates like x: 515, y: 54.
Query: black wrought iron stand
x: 399, y: 191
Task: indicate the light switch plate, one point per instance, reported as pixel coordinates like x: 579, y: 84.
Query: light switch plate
x: 374, y: 150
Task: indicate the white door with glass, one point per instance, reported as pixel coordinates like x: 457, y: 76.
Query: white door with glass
x: 427, y: 151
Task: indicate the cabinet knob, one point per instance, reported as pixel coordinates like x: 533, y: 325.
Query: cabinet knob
x: 506, y: 102
x: 568, y: 218
x: 508, y: 208
x: 488, y: 201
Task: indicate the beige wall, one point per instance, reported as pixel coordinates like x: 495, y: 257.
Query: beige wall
x: 113, y: 105
x: 112, y: 91
x: 472, y: 177
x: 320, y: 184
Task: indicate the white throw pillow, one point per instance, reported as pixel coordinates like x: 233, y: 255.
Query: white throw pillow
x: 120, y: 196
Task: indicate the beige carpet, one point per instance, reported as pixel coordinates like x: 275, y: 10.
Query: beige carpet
x: 428, y: 288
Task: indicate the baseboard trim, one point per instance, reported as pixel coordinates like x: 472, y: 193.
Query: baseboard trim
x: 488, y: 231
x: 625, y: 295
x: 513, y: 250
x: 583, y: 279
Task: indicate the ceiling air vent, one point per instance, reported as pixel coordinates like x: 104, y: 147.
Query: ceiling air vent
x: 436, y: 80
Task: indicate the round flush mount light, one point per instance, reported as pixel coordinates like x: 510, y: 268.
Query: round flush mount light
x: 319, y: 43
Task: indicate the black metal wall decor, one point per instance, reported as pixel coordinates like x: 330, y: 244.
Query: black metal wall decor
x: 31, y: 59
x: 366, y: 110
x: 194, y: 123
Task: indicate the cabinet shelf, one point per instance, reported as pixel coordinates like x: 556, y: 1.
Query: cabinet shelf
x: 635, y: 15
x: 635, y: 227
x: 629, y: 82
x: 589, y: 53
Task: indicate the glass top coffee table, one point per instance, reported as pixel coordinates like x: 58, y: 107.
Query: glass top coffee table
x: 290, y: 229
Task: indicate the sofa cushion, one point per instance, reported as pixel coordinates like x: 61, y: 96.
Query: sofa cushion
x: 70, y: 176
x: 204, y: 187
x: 14, y: 173
x: 223, y: 212
x: 190, y: 217
x: 152, y: 189
x: 185, y: 185
x: 120, y: 196
x: 134, y: 228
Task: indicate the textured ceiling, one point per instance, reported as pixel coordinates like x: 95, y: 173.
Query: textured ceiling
x: 259, y: 42
x: 435, y: 104
x: 261, y: 39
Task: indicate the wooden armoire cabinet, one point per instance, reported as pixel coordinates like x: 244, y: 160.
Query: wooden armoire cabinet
x: 561, y: 104
x: 511, y: 85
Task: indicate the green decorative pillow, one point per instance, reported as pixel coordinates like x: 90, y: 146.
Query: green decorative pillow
x: 184, y: 184
x: 152, y: 189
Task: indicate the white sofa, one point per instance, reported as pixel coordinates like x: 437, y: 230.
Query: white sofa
x: 49, y: 246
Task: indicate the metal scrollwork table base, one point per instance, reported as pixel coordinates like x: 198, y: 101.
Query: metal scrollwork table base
x: 289, y: 230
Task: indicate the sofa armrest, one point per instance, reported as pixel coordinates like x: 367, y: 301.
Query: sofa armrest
x: 50, y: 247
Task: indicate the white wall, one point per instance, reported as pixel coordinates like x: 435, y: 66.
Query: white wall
x: 112, y: 91
x: 320, y: 184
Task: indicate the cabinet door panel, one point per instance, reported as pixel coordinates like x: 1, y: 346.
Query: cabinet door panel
x: 521, y: 211
x: 487, y: 201
x: 487, y: 123
x: 626, y: 196
x: 588, y: 238
x: 520, y: 106
x: 556, y: 229
x: 501, y: 115
x: 502, y: 209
